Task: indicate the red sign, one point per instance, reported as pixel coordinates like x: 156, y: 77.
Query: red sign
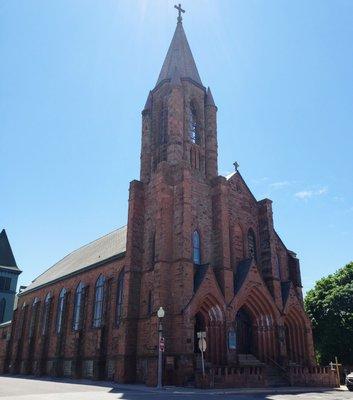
x: 161, y: 344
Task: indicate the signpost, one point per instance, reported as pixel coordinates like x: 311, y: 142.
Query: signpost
x: 336, y: 366
x: 161, y: 347
x: 202, y: 346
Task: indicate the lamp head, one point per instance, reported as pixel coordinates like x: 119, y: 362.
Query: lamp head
x: 160, y: 312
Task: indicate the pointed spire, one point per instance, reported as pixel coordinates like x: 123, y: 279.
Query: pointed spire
x: 148, y: 104
x: 6, y: 256
x: 175, y: 78
x: 209, y: 98
x: 179, y: 55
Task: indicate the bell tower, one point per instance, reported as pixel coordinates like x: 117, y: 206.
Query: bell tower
x: 177, y: 210
x: 179, y: 118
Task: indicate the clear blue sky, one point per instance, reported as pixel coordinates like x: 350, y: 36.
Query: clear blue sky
x: 75, y: 76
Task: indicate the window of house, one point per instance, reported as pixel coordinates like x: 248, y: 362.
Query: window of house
x: 98, y: 309
x: 119, y: 297
x: 196, y: 248
x: 5, y: 283
x: 60, y: 312
x: 78, y: 307
x: 46, y: 311
x: 193, y: 125
x: 2, y: 310
x: 252, y: 244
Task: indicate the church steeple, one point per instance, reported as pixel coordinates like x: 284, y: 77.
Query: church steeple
x: 179, y: 56
x: 179, y: 121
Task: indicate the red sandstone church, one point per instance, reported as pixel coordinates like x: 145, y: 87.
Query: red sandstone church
x: 196, y: 243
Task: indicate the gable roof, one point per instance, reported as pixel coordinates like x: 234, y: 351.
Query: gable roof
x: 237, y: 174
x: 7, y: 258
x: 88, y: 256
x: 242, y: 271
x: 179, y: 57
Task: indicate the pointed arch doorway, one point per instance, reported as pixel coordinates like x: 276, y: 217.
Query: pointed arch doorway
x: 244, y: 332
x: 210, y: 319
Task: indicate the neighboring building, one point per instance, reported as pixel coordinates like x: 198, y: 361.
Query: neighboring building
x: 9, y: 272
x: 196, y: 243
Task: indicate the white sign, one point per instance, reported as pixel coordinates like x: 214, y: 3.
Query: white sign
x: 202, y: 345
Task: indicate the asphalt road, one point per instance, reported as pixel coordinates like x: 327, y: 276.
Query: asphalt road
x: 19, y: 388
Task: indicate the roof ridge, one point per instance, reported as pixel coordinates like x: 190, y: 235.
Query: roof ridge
x: 76, y: 250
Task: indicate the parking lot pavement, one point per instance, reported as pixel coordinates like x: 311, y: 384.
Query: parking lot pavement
x: 20, y: 388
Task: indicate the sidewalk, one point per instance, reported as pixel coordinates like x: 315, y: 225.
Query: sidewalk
x: 185, y: 390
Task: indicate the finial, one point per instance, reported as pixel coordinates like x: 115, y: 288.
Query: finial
x: 236, y: 166
x: 180, y: 10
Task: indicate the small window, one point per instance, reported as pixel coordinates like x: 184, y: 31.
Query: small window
x: 78, y: 307
x: 60, y: 312
x: 119, y: 298
x: 193, y: 125
x: 196, y: 248
x: 2, y: 310
x: 46, y: 311
x: 99, y: 302
x: 252, y: 244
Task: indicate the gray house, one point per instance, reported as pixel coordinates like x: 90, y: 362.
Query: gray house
x: 9, y: 272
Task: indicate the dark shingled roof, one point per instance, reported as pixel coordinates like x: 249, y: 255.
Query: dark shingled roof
x: 285, y: 287
x: 180, y: 58
x: 199, y: 275
x: 7, y: 258
x: 242, y: 270
x: 100, y: 250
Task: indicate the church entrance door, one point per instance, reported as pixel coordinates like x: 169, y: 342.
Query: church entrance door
x: 244, y: 332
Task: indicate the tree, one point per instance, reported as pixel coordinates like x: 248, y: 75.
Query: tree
x: 330, y: 308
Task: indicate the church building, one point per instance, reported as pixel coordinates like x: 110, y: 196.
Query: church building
x: 197, y: 244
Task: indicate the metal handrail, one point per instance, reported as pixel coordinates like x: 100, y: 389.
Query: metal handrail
x: 277, y: 365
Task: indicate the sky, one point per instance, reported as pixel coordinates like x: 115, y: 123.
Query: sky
x: 75, y: 76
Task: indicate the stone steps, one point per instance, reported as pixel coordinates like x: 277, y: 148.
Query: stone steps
x: 276, y: 377
x: 249, y: 360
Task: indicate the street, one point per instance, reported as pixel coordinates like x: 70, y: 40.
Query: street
x: 20, y: 388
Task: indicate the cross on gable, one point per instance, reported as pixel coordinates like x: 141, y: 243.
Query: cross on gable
x: 180, y: 10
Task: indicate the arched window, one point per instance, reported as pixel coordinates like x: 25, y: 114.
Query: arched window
x: 46, y: 311
x: 153, y: 249
x: 33, y: 317
x: 119, y: 297
x: 196, y: 248
x: 193, y: 129
x: 2, y: 310
x: 60, y: 311
x: 99, y: 302
x: 252, y: 244
x: 149, y: 303
x: 277, y: 267
x: 163, y: 125
x: 78, y: 307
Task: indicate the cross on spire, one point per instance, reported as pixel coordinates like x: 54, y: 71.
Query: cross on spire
x: 180, y: 10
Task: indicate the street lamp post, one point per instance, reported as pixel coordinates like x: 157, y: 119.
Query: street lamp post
x: 160, y: 314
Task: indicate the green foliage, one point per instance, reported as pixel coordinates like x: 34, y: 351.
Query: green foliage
x: 330, y: 308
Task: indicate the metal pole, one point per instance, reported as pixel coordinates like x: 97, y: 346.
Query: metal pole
x: 202, y: 362
x: 160, y: 354
x: 338, y: 372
